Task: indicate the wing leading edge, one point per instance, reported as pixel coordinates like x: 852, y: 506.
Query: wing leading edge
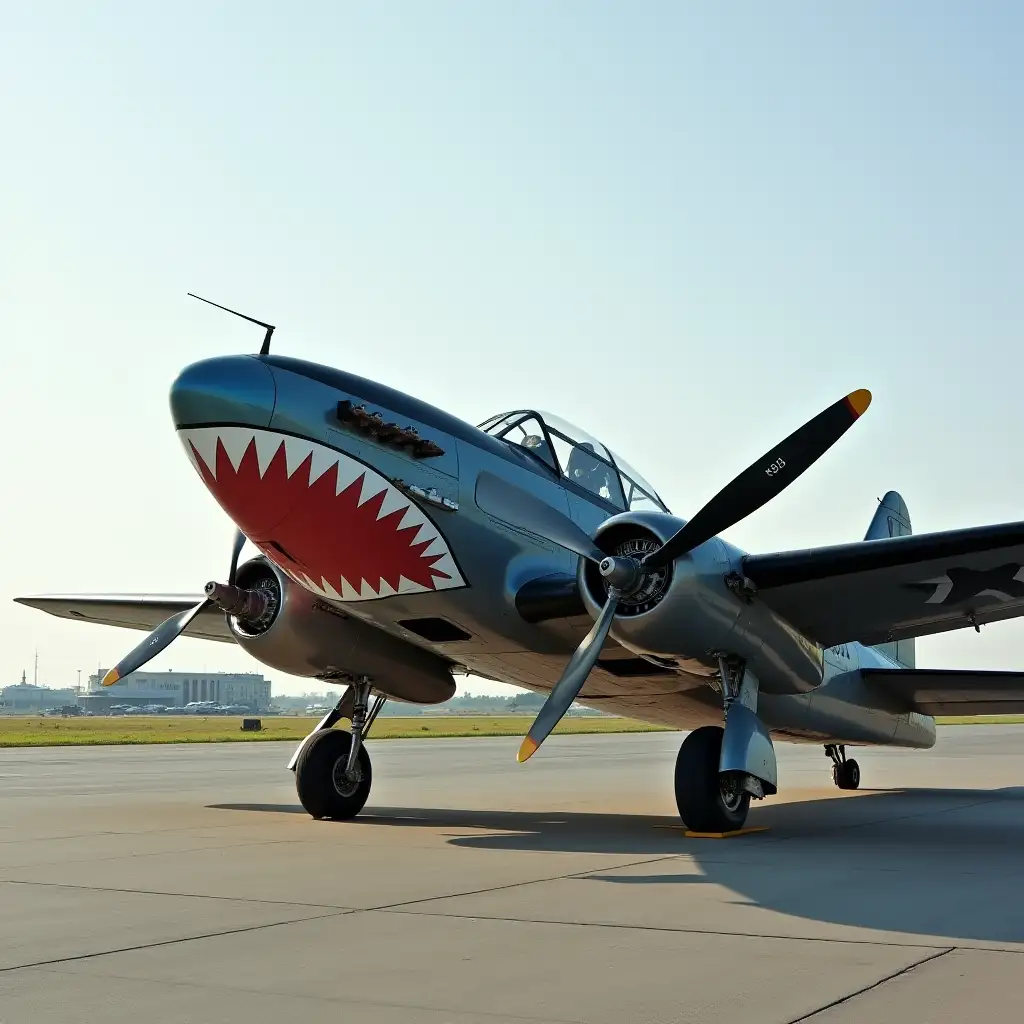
x: 132, y: 611
x: 876, y: 591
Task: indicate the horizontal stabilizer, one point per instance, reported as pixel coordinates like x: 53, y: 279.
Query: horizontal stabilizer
x: 950, y: 691
x: 133, y: 611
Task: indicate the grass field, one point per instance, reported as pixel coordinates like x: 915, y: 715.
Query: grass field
x: 46, y: 732
x: 981, y: 720
x: 28, y: 731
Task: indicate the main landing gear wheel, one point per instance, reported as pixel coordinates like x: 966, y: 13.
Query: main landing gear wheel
x: 845, y: 773
x: 707, y: 802
x: 325, y: 789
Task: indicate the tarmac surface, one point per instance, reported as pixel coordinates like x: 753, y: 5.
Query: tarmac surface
x: 185, y: 884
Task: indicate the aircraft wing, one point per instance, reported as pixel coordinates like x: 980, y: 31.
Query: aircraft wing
x: 949, y: 691
x: 875, y: 591
x: 134, y: 611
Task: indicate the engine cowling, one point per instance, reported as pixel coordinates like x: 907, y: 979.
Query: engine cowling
x: 686, y: 613
x: 304, y: 635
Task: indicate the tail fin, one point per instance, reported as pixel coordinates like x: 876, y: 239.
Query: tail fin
x: 892, y: 519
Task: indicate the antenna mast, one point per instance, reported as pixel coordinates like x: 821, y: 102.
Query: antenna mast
x: 270, y: 328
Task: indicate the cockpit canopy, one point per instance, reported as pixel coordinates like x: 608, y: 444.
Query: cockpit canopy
x: 577, y: 457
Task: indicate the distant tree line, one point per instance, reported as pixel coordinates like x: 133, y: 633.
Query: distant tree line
x: 472, y: 704
x: 464, y: 704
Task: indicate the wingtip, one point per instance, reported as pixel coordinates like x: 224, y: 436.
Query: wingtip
x: 527, y: 750
x: 859, y: 401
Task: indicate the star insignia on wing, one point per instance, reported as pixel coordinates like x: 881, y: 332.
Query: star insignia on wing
x: 961, y: 586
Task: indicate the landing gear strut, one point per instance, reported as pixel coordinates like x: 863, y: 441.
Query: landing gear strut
x: 332, y: 768
x: 718, y: 771
x: 845, y: 773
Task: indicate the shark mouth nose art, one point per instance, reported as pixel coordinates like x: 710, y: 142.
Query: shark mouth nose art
x: 331, y: 522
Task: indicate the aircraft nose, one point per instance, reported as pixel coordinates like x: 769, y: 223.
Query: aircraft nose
x: 225, y: 389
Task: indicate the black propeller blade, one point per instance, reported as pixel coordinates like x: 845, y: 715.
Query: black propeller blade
x: 235, y: 552
x: 754, y: 487
x: 767, y: 477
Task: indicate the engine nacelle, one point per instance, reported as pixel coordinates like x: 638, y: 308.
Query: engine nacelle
x: 304, y: 635
x: 688, y: 614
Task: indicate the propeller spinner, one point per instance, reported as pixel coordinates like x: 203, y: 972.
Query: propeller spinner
x: 754, y: 487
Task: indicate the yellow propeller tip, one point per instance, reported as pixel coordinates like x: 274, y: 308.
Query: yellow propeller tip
x: 527, y: 750
x: 859, y: 401
x: 111, y: 677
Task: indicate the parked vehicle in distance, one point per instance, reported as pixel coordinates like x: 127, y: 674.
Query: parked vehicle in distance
x: 200, y: 707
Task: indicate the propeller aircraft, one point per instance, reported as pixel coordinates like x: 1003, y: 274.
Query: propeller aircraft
x: 401, y: 547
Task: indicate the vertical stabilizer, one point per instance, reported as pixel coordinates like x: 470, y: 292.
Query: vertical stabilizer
x: 892, y: 519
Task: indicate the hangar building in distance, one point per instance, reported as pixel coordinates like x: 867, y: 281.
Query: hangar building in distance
x: 176, y: 689
x: 25, y: 697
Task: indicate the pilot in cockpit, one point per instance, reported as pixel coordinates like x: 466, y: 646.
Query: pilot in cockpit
x: 588, y: 471
x: 538, y: 446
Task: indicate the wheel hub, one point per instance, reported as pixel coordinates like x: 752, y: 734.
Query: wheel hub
x: 345, y: 783
x: 731, y: 791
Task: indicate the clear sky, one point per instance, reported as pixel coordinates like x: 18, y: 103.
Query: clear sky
x: 687, y: 227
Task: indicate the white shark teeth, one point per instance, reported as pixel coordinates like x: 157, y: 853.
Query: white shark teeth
x: 267, y: 446
x: 446, y: 564
x: 205, y: 444
x: 349, y: 471
x: 408, y: 587
x: 201, y: 445
x: 394, y: 501
x: 323, y: 459
x: 296, y: 451
x: 372, y: 486
x: 235, y: 441
x: 425, y: 530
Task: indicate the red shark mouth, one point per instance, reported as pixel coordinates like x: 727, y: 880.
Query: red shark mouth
x: 330, y: 522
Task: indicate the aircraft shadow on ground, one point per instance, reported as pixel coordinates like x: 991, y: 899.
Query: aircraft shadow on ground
x: 919, y: 862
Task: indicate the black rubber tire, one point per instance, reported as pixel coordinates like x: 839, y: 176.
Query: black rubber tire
x: 698, y: 790
x: 846, y: 774
x: 315, y: 776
